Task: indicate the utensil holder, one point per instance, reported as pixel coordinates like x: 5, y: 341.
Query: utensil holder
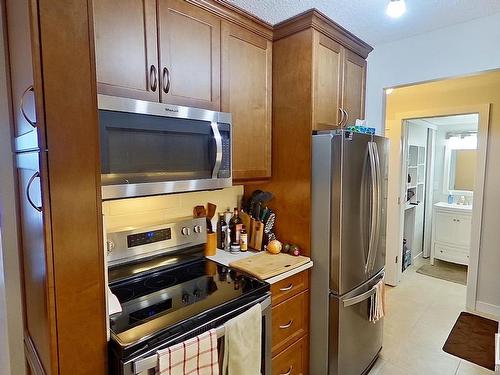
x: 211, y: 245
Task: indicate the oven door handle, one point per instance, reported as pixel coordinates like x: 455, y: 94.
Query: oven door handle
x: 148, y: 363
x: 218, y: 151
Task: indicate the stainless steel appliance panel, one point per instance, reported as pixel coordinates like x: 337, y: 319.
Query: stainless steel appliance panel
x: 154, y: 148
x: 354, y: 341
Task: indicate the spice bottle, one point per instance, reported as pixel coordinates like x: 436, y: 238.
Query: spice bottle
x: 243, y: 239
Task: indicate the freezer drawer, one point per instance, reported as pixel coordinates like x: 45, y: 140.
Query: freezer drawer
x: 354, y: 341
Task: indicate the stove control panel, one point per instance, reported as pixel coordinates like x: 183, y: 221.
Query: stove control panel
x: 130, y: 244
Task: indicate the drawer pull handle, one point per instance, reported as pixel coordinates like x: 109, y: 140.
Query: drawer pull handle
x: 285, y: 326
x: 287, y: 288
x: 288, y: 372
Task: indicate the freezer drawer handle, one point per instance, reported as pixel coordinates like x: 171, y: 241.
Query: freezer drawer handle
x: 355, y: 300
x: 288, y: 372
x: 287, y: 288
x: 285, y: 326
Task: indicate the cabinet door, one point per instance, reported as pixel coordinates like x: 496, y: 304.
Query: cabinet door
x: 327, y: 81
x: 462, y: 230
x: 293, y: 360
x: 189, y: 47
x: 246, y: 92
x: 34, y: 255
x: 354, y: 80
x: 21, y: 73
x: 126, y: 48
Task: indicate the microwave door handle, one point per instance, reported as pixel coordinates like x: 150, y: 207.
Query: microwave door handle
x: 218, y: 151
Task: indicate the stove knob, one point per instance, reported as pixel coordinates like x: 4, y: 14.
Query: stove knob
x: 197, y: 293
x: 110, y: 245
x: 185, y: 298
x: 197, y: 229
x: 185, y: 231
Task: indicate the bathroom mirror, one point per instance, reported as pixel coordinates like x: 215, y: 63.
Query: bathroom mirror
x: 460, y: 166
x: 462, y: 170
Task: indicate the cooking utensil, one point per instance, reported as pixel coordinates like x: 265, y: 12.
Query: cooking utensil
x: 269, y: 223
x: 210, y: 214
x: 199, y: 211
x: 251, y: 201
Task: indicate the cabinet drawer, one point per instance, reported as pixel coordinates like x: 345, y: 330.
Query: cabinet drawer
x: 293, y: 360
x: 289, y: 287
x: 451, y: 254
x: 289, y: 321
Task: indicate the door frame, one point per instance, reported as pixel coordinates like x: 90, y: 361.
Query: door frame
x: 395, y: 209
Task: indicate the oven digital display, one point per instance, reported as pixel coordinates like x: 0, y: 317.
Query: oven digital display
x: 149, y: 237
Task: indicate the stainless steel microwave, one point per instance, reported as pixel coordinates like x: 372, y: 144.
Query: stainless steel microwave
x: 152, y: 148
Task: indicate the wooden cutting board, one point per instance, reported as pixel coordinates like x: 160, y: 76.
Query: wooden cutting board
x: 265, y: 265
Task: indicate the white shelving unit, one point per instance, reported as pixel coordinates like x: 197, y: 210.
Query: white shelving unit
x: 415, y: 190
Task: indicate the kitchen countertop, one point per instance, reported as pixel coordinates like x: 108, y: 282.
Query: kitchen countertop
x: 223, y: 257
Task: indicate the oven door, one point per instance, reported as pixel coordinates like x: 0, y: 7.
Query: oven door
x: 146, y: 364
x: 153, y: 148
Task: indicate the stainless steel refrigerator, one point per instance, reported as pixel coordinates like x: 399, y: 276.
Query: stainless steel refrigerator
x: 349, y: 194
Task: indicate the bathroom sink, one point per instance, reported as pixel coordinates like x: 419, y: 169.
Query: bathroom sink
x: 467, y: 207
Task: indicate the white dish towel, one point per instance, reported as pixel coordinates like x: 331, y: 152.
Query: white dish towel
x: 377, y: 302
x: 242, y: 343
x: 196, y: 356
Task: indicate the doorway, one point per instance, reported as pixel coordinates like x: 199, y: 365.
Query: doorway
x: 419, y: 129
x: 440, y: 157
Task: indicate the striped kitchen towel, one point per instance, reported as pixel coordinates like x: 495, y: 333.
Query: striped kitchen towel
x: 196, y: 356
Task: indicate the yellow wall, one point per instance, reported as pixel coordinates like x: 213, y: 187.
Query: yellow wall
x: 467, y: 91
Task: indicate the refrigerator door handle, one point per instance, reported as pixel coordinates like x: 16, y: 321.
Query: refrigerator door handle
x: 378, y: 173
x: 359, y: 298
x: 374, y: 210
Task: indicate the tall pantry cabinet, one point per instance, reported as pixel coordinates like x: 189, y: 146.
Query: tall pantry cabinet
x: 54, y: 115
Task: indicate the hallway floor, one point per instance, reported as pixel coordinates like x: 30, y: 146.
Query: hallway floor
x: 421, y: 312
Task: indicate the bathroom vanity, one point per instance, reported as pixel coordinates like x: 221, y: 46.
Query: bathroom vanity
x: 451, y: 232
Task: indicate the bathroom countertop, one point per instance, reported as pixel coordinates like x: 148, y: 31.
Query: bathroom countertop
x: 454, y: 206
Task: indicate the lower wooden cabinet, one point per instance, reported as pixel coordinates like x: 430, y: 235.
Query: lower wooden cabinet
x: 290, y: 325
x: 293, y: 360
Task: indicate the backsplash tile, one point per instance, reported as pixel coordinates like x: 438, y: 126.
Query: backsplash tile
x: 152, y: 210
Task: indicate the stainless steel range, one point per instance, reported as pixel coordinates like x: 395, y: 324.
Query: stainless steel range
x: 169, y: 292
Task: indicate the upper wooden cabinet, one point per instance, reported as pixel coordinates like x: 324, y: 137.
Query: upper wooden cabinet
x: 126, y: 48
x: 339, y: 85
x: 164, y: 50
x: 353, y: 86
x: 246, y: 93
x: 327, y: 82
x: 189, y: 49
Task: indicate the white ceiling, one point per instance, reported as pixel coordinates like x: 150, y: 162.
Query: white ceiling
x: 367, y: 18
x: 451, y: 123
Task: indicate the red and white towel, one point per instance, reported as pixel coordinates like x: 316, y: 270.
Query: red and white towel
x: 196, y: 356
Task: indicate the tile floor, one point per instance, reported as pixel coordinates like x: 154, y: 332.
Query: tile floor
x: 421, y: 312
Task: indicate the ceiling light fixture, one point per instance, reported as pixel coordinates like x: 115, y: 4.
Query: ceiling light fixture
x: 396, y: 8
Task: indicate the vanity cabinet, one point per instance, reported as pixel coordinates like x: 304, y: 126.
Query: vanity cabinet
x: 451, y: 233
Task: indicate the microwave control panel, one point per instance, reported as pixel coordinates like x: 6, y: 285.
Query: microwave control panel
x: 225, y: 168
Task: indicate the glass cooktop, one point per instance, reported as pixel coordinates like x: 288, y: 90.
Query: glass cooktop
x: 156, y: 300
